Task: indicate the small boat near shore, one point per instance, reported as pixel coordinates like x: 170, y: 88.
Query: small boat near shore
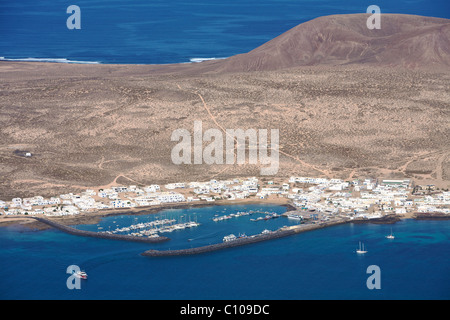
x: 267, y: 217
x: 257, y: 219
x: 230, y: 237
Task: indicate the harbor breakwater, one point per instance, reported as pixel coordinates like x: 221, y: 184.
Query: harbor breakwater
x: 102, y: 235
x: 283, y: 232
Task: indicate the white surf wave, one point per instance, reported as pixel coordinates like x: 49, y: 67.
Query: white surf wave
x: 196, y: 60
x: 55, y: 60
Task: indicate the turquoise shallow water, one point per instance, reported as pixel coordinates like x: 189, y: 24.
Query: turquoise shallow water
x: 321, y: 264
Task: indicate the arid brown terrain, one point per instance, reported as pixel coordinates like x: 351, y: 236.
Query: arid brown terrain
x: 386, y: 115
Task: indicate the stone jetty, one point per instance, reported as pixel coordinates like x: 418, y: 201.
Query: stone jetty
x: 280, y: 233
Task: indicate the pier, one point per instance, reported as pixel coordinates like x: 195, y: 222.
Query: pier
x: 280, y: 233
x: 100, y: 235
x: 166, y: 225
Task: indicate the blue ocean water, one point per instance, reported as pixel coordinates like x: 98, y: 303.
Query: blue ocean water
x: 173, y: 31
x: 320, y: 264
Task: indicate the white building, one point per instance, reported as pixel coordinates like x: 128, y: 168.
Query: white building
x: 120, y: 189
x: 170, y: 197
x: 172, y: 186
x: 152, y: 188
x: 16, y: 202
x: 122, y: 204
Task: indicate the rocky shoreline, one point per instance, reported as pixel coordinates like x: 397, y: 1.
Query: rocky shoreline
x: 393, y: 218
x: 388, y: 219
x: 431, y: 216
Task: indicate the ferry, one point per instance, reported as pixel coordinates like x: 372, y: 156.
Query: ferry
x: 81, y: 275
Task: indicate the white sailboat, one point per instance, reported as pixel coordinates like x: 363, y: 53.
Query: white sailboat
x: 361, y: 249
x: 391, y: 236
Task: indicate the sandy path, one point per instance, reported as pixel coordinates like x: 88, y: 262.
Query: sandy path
x: 439, y: 167
x: 213, y: 118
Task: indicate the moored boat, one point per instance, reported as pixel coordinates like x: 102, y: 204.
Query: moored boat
x: 361, y: 250
x: 230, y: 237
x: 391, y: 236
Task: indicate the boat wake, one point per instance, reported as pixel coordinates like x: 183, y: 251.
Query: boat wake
x: 102, y: 260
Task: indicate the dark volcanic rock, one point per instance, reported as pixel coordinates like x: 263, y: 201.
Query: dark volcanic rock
x: 389, y: 219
